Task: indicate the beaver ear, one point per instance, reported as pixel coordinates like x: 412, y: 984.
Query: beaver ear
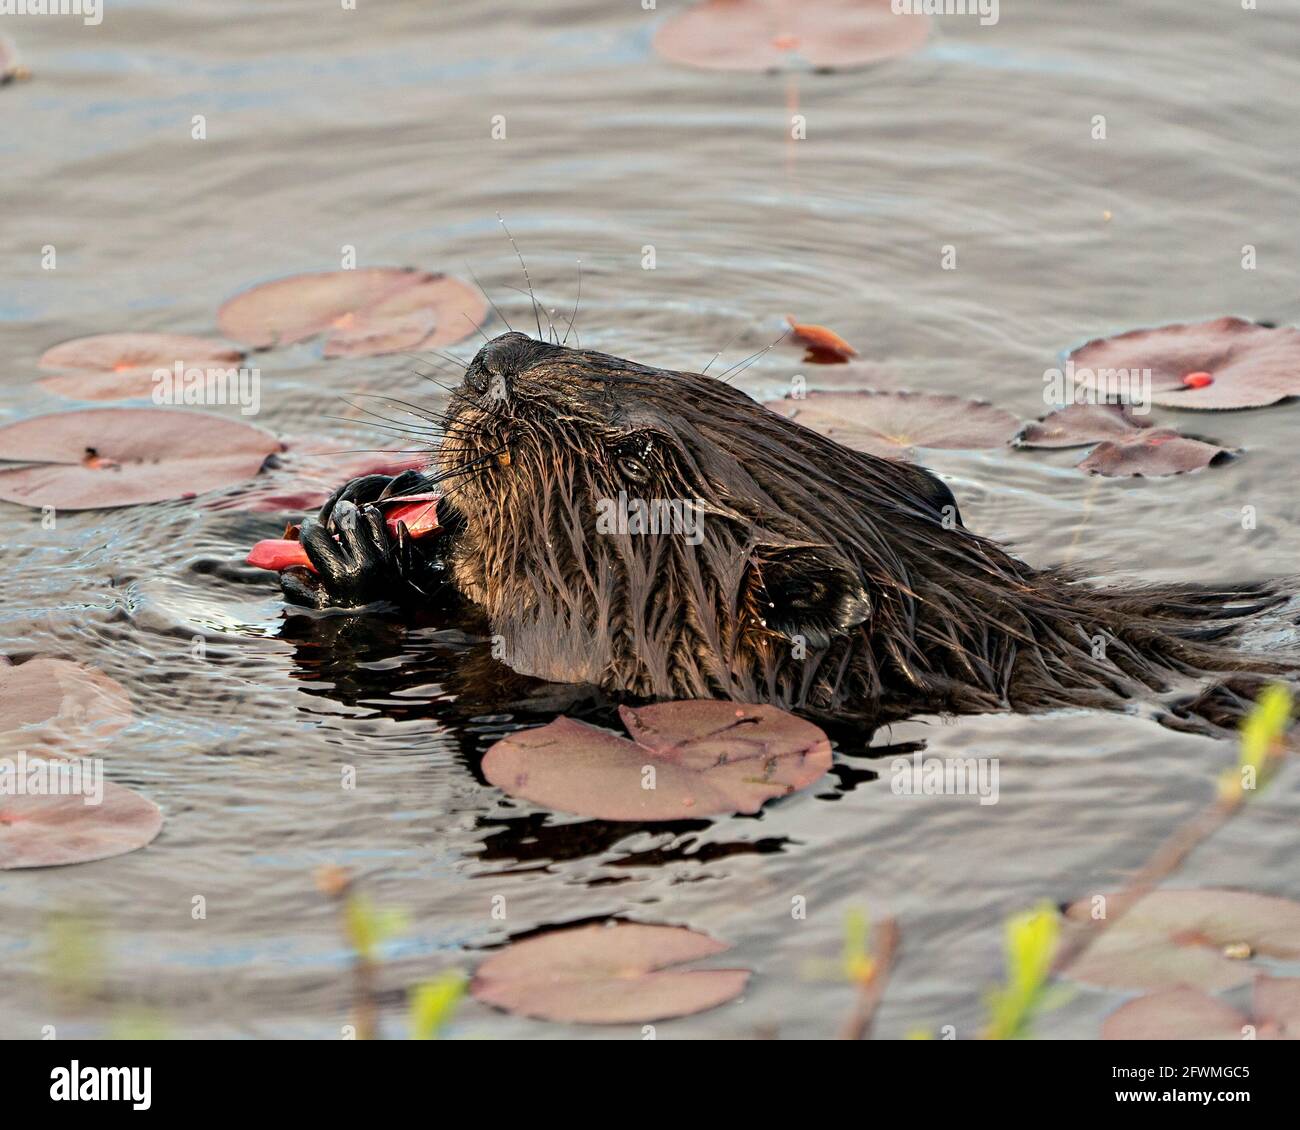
x: 808, y: 592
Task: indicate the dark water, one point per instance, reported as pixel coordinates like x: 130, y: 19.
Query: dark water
x: 372, y: 129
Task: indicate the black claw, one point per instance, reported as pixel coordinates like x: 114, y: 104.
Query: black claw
x: 408, y: 482
x: 363, y: 490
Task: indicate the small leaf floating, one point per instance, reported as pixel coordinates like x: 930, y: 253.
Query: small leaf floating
x: 772, y: 35
x: 890, y: 424
x: 1224, y: 363
x: 607, y: 974
x: 47, y: 701
x: 11, y: 70
x: 1151, y: 453
x: 121, y: 366
x: 825, y: 347
x: 362, y: 313
x: 1177, y: 937
x: 1185, y: 1013
x: 54, y: 830
x: 710, y: 758
x: 104, y: 457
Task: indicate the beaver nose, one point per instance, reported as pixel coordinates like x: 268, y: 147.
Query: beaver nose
x: 501, y: 360
x: 506, y: 353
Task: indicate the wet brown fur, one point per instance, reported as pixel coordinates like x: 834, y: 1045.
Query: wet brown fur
x: 828, y: 580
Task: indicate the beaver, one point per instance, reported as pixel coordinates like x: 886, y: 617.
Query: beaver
x: 814, y: 577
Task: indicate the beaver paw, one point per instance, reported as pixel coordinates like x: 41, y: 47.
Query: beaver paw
x: 355, y: 561
x: 351, y: 556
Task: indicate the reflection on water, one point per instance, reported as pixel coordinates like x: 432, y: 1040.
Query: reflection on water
x: 378, y: 137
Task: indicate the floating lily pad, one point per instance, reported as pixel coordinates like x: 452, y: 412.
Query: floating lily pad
x: 1151, y: 453
x: 121, y: 366
x: 48, y: 702
x: 607, y: 974
x: 708, y: 758
x: 890, y: 424
x: 362, y: 313
x: 1078, y: 425
x: 824, y: 346
x: 50, y: 831
x: 771, y: 35
x: 1247, y: 365
x: 1181, y: 1013
x: 104, y: 457
x: 1173, y: 938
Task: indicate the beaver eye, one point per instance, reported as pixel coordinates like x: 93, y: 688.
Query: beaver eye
x: 633, y: 469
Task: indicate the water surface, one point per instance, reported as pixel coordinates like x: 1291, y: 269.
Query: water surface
x: 372, y: 129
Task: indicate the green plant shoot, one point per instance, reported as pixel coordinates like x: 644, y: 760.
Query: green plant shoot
x: 1032, y: 938
x: 434, y: 1003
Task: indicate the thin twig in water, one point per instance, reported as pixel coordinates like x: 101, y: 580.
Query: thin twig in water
x: 871, y: 989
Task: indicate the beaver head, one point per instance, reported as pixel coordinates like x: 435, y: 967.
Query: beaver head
x: 661, y: 533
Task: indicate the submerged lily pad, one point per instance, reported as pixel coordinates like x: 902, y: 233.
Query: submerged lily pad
x: 1177, y: 937
x: 1078, y: 425
x: 687, y: 759
x: 1185, y: 1013
x: 362, y: 313
x: 1151, y: 453
x: 121, y: 366
x: 104, y: 457
x: 1224, y: 363
x: 890, y: 424
x: 1181, y: 1013
x: 53, y: 702
x: 607, y: 974
x: 770, y: 35
x: 1276, y: 1008
x: 51, y: 831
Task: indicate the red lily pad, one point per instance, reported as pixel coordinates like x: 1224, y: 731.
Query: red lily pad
x: 277, y: 554
x: 1172, y: 938
x: 48, y: 702
x: 771, y: 35
x: 121, y: 366
x: 709, y: 758
x: 104, y: 457
x: 362, y: 313
x: 1247, y: 365
x: 1078, y: 425
x: 1151, y: 453
x: 51, y: 831
x: 825, y: 346
x: 607, y: 974
x: 890, y: 424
